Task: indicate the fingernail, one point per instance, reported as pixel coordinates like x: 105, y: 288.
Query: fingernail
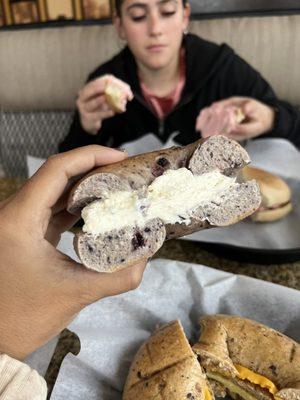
x: 120, y: 149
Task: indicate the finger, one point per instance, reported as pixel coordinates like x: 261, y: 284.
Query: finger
x: 60, y: 223
x: 62, y: 202
x: 246, y: 130
x: 202, y: 119
x: 249, y: 108
x: 93, y: 122
x: 97, y: 87
x: 230, y: 120
x: 216, y: 107
x: 107, y: 114
x: 43, y: 190
x: 94, y: 285
x: 122, y: 85
x: 216, y: 123
x: 105, y: 107
x: 92, y: 89
x: 232, y: 101
x: 94, y: 104
x: 94, y: 119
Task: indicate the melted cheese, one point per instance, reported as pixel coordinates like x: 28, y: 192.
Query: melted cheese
x: 207, y: 395
x: 245, y: 373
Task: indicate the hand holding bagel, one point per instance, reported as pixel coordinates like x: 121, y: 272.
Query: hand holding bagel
x: 41, y: 289
x: 239, y: 118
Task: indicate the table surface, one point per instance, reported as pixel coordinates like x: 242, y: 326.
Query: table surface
x: 181, y: 250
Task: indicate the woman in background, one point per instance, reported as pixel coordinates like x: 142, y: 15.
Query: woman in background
x: 175, y: 82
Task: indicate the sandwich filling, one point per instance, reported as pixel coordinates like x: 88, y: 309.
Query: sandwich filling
x: 207, y: 395
x: 274, y: 207
x: 247, y: 375
x: 257, y: 379
x: 172, y: 197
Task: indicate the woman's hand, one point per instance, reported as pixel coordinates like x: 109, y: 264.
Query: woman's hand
x: 92, y: 105
x: 221, y: 118
x: 41, y: 289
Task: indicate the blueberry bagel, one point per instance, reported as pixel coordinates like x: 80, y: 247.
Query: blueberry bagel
x: 131, y: 207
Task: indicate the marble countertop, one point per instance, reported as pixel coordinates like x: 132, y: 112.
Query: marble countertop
x: 283, y: 274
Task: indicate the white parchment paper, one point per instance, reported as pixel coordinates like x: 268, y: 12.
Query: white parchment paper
x: 112, y: 329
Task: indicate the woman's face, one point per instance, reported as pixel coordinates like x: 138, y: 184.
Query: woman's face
x: 153, y: 29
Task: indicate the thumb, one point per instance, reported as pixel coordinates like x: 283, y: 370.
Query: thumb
x: 248, y: 108
x: 246, y: 130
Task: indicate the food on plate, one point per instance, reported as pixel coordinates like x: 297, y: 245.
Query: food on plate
x: 236, y: 357
x: 165, y: 367
x: 248, y: 360
x: 276, y: 195
x: 131, y: 207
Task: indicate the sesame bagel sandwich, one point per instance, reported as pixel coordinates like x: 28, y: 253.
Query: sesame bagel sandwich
x: 248, y: 360
x: 234, y: 357
x: 165, y: 367
x: 275, y: 192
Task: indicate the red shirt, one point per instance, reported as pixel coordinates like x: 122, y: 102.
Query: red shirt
x: 163, y: 105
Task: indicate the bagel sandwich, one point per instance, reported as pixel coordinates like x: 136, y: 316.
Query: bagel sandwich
x: 131, y: 207
x: 248, y: 360
x: 276, y: 195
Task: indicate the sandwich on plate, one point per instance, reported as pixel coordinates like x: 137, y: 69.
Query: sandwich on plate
x: 275, y: 192
x: 236, y: 357
x: 165, y: 367
x: 248, y: 360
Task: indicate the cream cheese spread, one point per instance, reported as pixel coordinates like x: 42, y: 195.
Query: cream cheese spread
x: 172, y: 197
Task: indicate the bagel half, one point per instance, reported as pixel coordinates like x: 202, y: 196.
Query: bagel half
x: 276, y: 195
x: 165, y: 367
x: 236, y: 356
x: 131, y: 207
x: 114, y: 97
x: 248, y: 360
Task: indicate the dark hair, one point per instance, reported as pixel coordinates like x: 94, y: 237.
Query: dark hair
x: 118, y: 3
